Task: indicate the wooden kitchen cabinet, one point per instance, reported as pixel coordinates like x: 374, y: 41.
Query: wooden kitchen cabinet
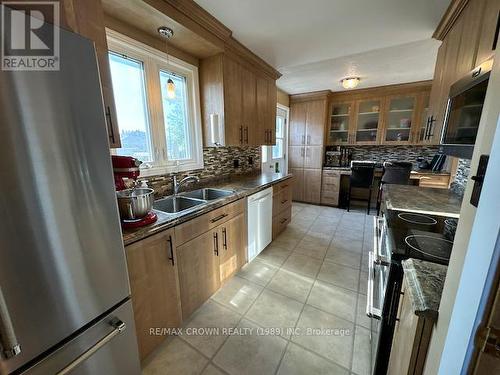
x: 86, y: 17
x: 411, y: 339
x: 468, y: 39
x: 330, y: 188
x: 232, y: 246
x: 199, y: 275
x: 242, y: 99
x: 401, y: 120
x: 282, y: 206
x: 340, y: 128
x: 368, y: 121
x: 308, y: 116
x: 153, y: 274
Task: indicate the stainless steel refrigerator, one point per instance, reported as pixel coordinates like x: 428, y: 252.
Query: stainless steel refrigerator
x: 64, y: 293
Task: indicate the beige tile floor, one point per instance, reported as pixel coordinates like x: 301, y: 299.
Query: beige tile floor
x: 312, y: 276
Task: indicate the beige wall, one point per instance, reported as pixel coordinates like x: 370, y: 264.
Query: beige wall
x: 283, y: 98
x: 486, y: 132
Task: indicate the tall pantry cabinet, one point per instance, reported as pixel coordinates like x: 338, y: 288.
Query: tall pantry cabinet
x: 308, y: 114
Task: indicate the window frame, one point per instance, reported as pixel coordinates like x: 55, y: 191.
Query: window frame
x: 153, y: 62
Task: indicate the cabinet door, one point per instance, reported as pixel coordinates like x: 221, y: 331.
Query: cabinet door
x: 85, y: 17
x: 400, y: 118
x: 233, y: 122
x: 315, y: 122
x: 367, y: 121
x: 199, y: 270
x: 272, y: 102
x: 422, y: 118
x: 298, y: 113
x: 152, y: 268
x: 249, y: 108
x: 233, y: 248
x: 298, y: 184
x: 312, y: 186
x: 296, y: 156
x: 262, y: 111
x: 313, y: 157
x: 436, y: 101
x: 489, y: 24
x: 471, y: 29
x: 339, y: 124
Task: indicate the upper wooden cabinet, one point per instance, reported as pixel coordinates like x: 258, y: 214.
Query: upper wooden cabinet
x: 389, y: 115
x: 469, y: 35
x: 85, y: 17
x: 243, y: 101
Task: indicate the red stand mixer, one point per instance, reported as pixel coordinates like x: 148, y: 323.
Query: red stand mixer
x: 135, y: 203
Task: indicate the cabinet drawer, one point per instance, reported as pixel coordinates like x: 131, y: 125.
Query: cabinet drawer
x: 281, y: 220
x: 203, y: 223
x: 286, y: 184
x: 327, y: 173
x: 282, y: 200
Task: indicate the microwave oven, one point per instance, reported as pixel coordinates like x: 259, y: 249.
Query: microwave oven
x: 463, y: 112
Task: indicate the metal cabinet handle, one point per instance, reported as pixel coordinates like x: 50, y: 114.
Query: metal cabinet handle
x: 171, y: 245
x: 224, y: 238
x: 241, y: 134
x: 246, y: 134
x: 8, y: 339
x: 283, y: 221
x: 110, y: 122
x: 118, y: 326
x: 284, y: 201
x: 218, y: 218
x: 216, y: 243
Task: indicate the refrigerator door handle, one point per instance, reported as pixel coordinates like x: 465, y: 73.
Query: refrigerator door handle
x: 118, y: 326
x: 8, y: 340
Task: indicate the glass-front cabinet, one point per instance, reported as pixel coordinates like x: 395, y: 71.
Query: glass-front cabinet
x: 400, y: 117
x: 367, y: 121
x: 340, y: 123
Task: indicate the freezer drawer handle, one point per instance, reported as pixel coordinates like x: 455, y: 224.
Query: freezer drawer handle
x: 8, y: 340
x: 118, y: 326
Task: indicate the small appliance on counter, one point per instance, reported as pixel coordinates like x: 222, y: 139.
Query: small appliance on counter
x: 436, y: 165
x: 135, y: 203
x: 337, y: 156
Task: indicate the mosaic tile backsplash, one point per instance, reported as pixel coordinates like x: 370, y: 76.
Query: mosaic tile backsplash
x: 461, y: 177
x: 400, y: 153
x: 218, y: 164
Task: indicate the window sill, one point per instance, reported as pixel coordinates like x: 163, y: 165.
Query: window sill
x: 168, y: 169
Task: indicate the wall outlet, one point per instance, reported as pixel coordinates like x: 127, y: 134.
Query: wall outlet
x: 236, y: 163
x: 250, y: 160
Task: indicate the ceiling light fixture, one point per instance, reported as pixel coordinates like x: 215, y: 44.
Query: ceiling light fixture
x: 350, y: 82
x: 167, y: 33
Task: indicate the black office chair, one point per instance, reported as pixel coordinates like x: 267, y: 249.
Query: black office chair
x: 361, y: 177
x: 395, y: 172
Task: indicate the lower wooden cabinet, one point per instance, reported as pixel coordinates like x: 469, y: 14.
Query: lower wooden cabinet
x: 330, y: 188
x: 307, y: 185
x: 198, y: 270
x: 153, y: 274
x: 282, y: 206
x: 411, y: 339
x: 233, y: 250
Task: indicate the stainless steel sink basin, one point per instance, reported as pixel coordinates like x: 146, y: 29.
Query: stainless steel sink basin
x: 208, y: 194
x: 172, y: 205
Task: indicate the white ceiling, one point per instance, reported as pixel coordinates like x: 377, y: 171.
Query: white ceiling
x: 315, y: 43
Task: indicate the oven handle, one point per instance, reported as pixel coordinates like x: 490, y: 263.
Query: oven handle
x: 371, y: 311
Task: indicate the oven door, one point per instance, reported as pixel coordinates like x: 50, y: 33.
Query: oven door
x: 378, y: 274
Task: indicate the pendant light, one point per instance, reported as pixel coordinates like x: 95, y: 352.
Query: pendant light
x: 167, y: 33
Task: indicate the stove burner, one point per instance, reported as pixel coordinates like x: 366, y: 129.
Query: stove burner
x: 417, y: 218
x: 434, y: 247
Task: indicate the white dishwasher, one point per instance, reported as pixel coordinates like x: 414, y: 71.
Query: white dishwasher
x: 260, y: 221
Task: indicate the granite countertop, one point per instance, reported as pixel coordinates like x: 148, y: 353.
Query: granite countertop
x: 242, y: 185
x: 431, y: 201
x: 413, y: 173
x: 425, y: 281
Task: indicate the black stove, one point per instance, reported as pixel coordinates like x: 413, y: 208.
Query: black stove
x: 398, y: 236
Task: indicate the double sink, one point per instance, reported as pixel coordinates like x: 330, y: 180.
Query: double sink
x: 179, y: 203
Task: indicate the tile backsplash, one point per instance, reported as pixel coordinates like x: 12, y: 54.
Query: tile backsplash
x: 219, y: 162
x: 461, y: 177
x: 400, y: 153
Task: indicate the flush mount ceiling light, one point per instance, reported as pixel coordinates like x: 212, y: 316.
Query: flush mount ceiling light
x: 167, y: 33
x: 350, y: 82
